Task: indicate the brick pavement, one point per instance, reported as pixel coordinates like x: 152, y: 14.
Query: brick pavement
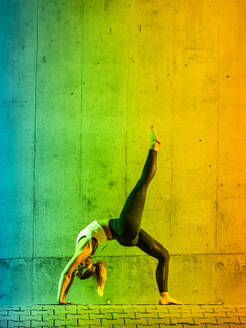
x: 181, y: 316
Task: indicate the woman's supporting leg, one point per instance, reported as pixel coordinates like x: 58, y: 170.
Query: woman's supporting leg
x: 153, y: 248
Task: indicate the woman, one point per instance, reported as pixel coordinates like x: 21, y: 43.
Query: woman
x: 126, y: 230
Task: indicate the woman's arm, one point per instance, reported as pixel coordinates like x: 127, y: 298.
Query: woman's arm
x: 67, y: 275
x: 69, y: 285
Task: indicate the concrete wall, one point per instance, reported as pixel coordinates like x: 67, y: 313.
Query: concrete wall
x: 81, y: 83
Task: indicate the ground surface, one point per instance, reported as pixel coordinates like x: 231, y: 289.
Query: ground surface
x: 183, y: 316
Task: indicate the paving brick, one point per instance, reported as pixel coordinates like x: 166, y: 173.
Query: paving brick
x: 174, y: 310
x: 37, y: 306
x: 146, y: 315
x: 200, y: 308
x: 37, y: 312
x: 25, y: 323
x: 14, y: 315
x: 242, y: 319
x: 241, y: 306
x: 179, y: 308
x: 228, y: 307
x: 65, y: 309
x: 236, y: 314
x: 196, y: 310
x: 59, y: 323
x: 189, y: 314
x: 88, y: 322
x: 84, y: 326
x: 202, y: 325
x: 13, y: 324
x: 38, y: 317
x: 3, y: 323
x: 207, y: 308
x: 142, y: 321
x: 82, y: 307
x: 27, y: 307
x: 235, y: 325
x: 154, y: 307
x: 164, y: 315
x: 24, y: 317
x: 175, y: 314
x: 35, y: 323
x: 94, y: 309
x: 91, y: 311
x: 26, y: 312
x: 18, y: 324
x: 187, y: 320
x: 112, y: 307
x: 222, y: 320
x: 165, y: 321
x: 85, y: 316
x: 162, y: 311
x: 225, y: 325
x: 112, y: 311
x: 198, y: 315
x: 48, y: 317
x: 106, y: 315
x: 211, y: 320
x: 134, y: 308
x: 113, y: 321
x: 214, y: 314
x: 50, y: 322
x: 49, y: 307
x: 69, y: 308
x: 86, y: 311
x: 130, y: 315
x: 11, y: 308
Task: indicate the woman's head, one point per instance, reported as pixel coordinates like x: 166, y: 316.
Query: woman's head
x: 97, y: 270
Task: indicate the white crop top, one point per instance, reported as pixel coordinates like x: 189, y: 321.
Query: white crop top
x: 94, y: 229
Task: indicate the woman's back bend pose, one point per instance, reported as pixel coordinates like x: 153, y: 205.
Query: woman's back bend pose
x: 126, y: 230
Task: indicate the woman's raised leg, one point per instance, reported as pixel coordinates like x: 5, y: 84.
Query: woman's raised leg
x: 128, y: 225
x: 131, y: 214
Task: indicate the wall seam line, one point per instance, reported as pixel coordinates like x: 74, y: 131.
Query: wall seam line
x: 34, y: 149
x: 127, y: 103
x: 81, y: 101
x: 217, y: 136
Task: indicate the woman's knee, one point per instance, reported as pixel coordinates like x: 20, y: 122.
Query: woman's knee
x: 164, y: 255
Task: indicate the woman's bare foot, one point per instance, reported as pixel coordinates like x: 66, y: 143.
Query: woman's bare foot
x: 167, y: 300
x: 155, y: 142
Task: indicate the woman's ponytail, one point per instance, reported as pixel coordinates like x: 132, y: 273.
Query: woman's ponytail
x: 97, y: 270
x: 100, y: 276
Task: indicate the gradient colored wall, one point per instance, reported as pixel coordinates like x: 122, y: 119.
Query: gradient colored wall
x: 81, y: 83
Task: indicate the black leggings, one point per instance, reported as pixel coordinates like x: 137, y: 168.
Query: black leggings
x: 126, y: 229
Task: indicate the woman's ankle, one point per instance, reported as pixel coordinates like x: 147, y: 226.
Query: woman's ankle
x: 164, y: 294
x: 155, y: 146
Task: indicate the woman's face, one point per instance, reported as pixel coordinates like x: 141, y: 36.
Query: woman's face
x: 83, y: 269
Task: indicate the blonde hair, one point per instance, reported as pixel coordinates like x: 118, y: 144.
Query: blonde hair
x: 97, y: 270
